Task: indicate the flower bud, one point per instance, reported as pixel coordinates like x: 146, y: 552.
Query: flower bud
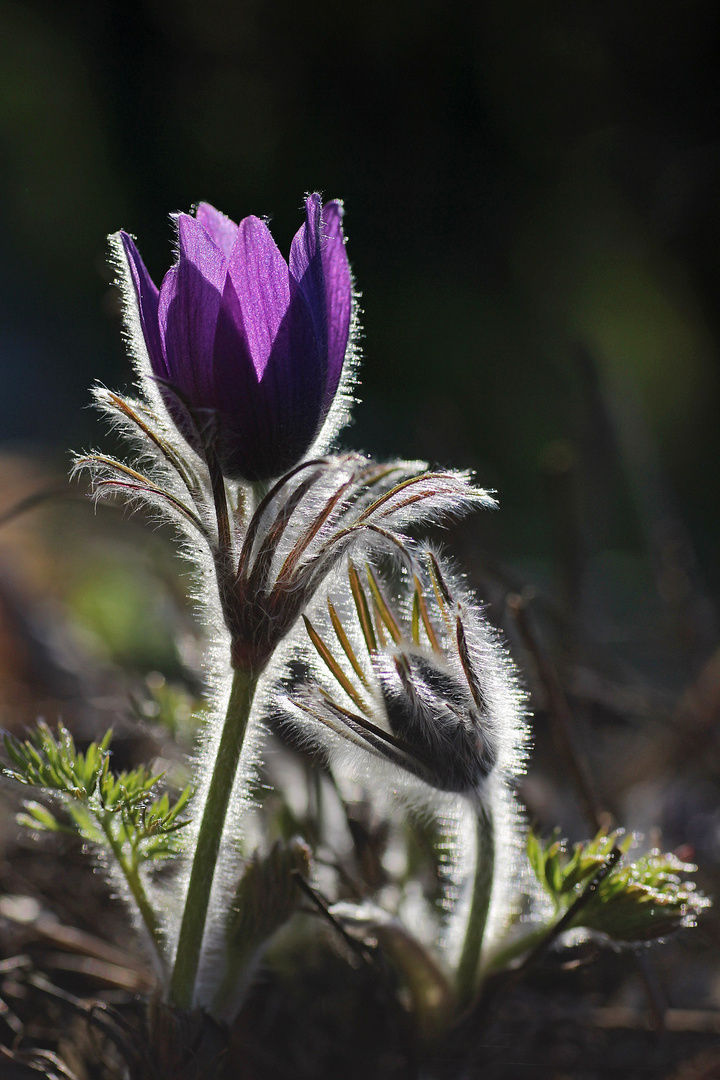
x: 420, y: 684
x: 434, y: 714
x: 247, y: 350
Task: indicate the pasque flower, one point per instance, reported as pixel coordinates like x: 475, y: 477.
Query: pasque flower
x: 248, y: 351
x: 243, y: 356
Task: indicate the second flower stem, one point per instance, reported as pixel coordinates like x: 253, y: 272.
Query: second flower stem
x: 468, y: 968
x: 197, y: 900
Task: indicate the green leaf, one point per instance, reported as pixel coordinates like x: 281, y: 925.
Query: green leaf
x: 646, y: 899
x: 53, y: 763
x: 116, y: 810
x: 636, y: 901
x: 265, y: 898
x: 120, y: 812
x: 37, y: 816
x: 151, y: 828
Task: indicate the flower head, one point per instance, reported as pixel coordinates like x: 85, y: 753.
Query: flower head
x: 247, y: 350
x: 422, y: 685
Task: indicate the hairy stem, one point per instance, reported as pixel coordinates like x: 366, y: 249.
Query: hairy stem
x: 468, y: 968
x: 197, y: 900
x: 135, y: 885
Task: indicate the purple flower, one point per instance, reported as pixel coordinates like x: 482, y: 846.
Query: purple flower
x: 243, y: 345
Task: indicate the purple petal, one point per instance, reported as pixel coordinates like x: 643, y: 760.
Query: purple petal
x: 262, y: 285
x: 318, y: 262
x: 306, y: 267
x: 306, y: 242
x: 200, y: 249
x: 188, y: 311
x: 146, y: 295
x: 268, y: 419
x: 338, y: 293
x: 220, y: 228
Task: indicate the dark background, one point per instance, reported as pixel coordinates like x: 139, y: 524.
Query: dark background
x: 532, y: 198
x: 529, y: 189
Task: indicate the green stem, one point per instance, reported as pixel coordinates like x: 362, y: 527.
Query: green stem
x: 132, y: 877
x: 197, y: 900
x: 467, y: 973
